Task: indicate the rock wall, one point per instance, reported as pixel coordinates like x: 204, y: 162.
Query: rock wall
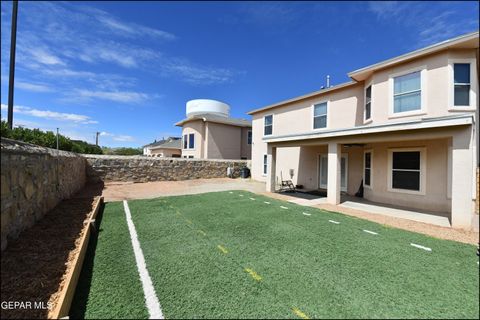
x: 144, y: 169
x: 33, y: 181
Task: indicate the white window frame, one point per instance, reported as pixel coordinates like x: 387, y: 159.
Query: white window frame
x: 370, y: 186
x: 423, y: 93
x: 313, y: 115
x: 267, y: 115
x: 365, y: 120
x: 473, y: 85
x: 423, y: 170
x: 188, y: 141
x: 249, y: 133
x: 265, y: 165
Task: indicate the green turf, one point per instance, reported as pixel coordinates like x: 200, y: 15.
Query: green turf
x: 305, y: 262
x: 109, y: 285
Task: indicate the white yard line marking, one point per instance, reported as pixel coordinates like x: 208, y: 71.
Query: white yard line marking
x: 266, y: 202
x: 420, y: 247
x: 241, y: 195
x: 252, y: 198
x: 306, y: 214
x: 371, y: 232
x: 151, y: 299
x: 283, y: 207
x: 333, y: 221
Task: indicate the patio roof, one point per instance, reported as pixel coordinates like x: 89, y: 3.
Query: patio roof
x: 425, y: 123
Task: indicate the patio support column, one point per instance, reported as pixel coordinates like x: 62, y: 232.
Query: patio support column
x: 333, y: 181
x: 462, y: 171
x: 271, y: 164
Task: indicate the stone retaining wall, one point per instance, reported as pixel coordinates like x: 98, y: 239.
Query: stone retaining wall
x: 33, y: 181
x: 144, y: 169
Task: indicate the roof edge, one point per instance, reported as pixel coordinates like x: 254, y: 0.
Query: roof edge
x: 416, y: 53
x: 305, y: 96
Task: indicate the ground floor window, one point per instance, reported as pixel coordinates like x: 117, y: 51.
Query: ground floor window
x: 406, y: 170
x: 265, y: 164
x: 367, y: 174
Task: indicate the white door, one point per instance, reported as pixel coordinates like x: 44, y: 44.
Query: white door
x: 323, y: 171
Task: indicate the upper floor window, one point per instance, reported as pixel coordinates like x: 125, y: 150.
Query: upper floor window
x: 407, y: 92
x: 461, y: 81
x: 249, y: 137
x: 320, y: 115
x: 268, y: 125
x: 191, y: 141
x: 368, y: 103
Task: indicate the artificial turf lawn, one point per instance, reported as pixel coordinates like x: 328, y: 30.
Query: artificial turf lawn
x: 307, y: 265
x: 109, y: 285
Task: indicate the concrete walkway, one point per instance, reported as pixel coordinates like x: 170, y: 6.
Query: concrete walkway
x: 377, y: 208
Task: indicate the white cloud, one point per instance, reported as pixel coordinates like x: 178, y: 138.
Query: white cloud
x: 42, y: 55
x: 117, y: 96
x: 47, y: 114
x: 34, y: 87
x: 431, y: 23
x: 197, y: 75
x: 117, y: 137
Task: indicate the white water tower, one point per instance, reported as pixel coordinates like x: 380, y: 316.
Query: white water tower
x: 207, y: 106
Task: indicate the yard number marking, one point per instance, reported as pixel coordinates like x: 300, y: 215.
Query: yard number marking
x: 336, y: 222
x: 420, y: 247
x: 252, y: 199
x: 266, y: 202
x: 151, y: 299
x: 283, y: 207
x: 371, y: 232
x: 221, y: 248
x: 253, y: 274
x: 300, y: 313
x: 306, y: 214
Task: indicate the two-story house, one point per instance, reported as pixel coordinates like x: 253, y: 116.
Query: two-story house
x: 403, y: 128
x: 209, y: 132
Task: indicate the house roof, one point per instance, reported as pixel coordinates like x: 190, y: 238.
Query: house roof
x: 173, y: 143
x: 161, y: 142
x: 469, y: 40
x: 217, y: 119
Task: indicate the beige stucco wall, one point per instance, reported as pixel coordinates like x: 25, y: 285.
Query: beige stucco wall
x: 198, y: 128
x: 165, y: 152
x: 217, y: 141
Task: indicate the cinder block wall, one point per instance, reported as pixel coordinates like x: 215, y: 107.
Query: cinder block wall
x: 144, y: 169
x: 33, y: 181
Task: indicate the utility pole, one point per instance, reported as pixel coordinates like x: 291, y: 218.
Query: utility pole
x: 57, y: 138
x: 13, y: 42
x: 96, y: 138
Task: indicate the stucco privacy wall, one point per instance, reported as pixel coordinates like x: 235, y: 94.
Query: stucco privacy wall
x: 143, y: 169
x: 33, y: 181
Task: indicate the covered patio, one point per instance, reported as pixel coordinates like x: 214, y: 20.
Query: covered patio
x: 437, y: 189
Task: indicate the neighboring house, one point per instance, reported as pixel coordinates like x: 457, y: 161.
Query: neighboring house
x: 165, y: 148
x: 404, y: 128
x: 209, y: 133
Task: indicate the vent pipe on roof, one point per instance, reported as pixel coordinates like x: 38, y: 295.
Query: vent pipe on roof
x: 328, y: 81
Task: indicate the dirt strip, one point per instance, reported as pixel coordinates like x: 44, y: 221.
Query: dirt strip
x: 34, y: 266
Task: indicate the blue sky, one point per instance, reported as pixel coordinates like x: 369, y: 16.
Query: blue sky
x: 126, y: 69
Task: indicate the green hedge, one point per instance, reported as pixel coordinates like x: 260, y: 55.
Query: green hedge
x: 48, y: 139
